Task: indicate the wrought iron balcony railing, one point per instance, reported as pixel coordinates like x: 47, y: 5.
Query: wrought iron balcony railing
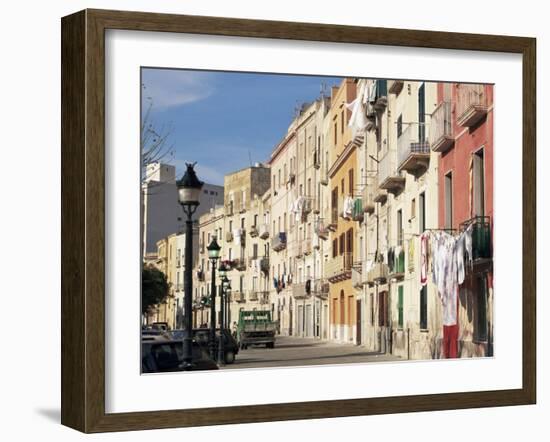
x: 441, y: 128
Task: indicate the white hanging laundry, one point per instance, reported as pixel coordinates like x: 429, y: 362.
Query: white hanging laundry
x: 347, y: 209
x: 358, y: 120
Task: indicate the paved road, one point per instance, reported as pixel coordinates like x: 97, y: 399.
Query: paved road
x: 291, y: 351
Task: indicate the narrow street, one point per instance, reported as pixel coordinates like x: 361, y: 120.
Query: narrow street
x: 292, y: 351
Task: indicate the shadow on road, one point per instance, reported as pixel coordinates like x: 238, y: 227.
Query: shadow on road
x: 307, y: 359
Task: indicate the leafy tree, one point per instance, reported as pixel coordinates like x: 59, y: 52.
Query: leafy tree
x: 154, y: 288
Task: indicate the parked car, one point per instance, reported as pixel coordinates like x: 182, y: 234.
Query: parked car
x: 166, y: 355
x: 202, y: 335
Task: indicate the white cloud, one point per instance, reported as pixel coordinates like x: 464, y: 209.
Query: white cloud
x: 172, y: 88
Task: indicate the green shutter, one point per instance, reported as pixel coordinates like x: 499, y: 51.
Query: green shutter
x: 400, y: 305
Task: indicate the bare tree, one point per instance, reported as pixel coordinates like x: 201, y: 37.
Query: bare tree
x: 154, y: 141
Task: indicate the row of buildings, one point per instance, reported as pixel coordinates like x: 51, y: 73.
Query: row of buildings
x: 371, y: 223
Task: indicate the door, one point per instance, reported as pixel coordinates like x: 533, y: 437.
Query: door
x: 358, y: 322
x: 309, y: 325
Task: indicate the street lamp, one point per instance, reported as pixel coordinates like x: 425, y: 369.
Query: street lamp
x: 189, y: 189
x: 227, y: 301
x: 221, y: 345
x: 214, y: 254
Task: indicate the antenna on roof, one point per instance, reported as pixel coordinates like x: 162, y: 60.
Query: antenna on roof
x: 249, y: 157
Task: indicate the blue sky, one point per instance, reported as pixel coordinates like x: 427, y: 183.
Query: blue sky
x: 224, y: 120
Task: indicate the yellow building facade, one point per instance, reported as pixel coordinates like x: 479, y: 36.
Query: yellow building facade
x: 342, y: 184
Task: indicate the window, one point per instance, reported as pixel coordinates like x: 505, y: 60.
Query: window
x: 382, y: 309
x: 334, y: 248
x: 335, y: 132
x: 399, y: 125
x: 421, y: 114
x: 400, y: 228
x: 422, y: 212
x: 241, y: 283
x: 309, y: 187
x: 255, y: 220
x: 400, y: 306
x: 424, y: 308
x: 254, y: 251
x: 334, y: 204
x: 449, y: 200
x: 349, y: 241
x: 279, y: 172
x: 242, y: 223
x: 342, y: 243
x: 479, y: 184
x: 350, y: 180
x: 342, y: 123
x: 413, y: 208
x: 372, y: 309
x: 480, y: 331
x: 230, y: 256
x: 231, y: 225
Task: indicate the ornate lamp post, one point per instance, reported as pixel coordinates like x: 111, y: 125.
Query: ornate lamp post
x: 214, y: 254
x: 223, y: 324
x: 189, y: 190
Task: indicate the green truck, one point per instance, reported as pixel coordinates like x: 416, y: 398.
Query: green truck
x: 256, y: 327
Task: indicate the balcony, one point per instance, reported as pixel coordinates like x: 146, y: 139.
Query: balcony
x: 229, y: 209
x: 263, y: 296
x: 413, y: 152
x: 264, y: 231
x: 307, y: 246
x: 471, y: 104
x: 238, y: 296
x: 253, y: 232
x: 253, y: 295
x: 278, y: 243
x: 302, y: 290
x: 481, y: 238
x: 239, y: 264
x: 316, y: 159
x: 321, y: 288
x: 398, y: 268
x: 357, y: 276
x: 308, y: 205
x: 200, y: 275
x: 317, y: 205
x: 378, y: 274
x: 298, y: 249
x: 228, y: 236
x: 321, y: 230
x: 395, y: 86
x: 368, y: 200
x: 324, y: 176
x: 358, y: 213
x: 388, y: 177
x: 441, y: 128
x: 339, y: 268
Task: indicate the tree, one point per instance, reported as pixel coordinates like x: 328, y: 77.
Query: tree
x: 154, y: 288
x: 153, y: 139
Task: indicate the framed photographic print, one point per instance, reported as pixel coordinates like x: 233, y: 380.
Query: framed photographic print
x: 268, y: 221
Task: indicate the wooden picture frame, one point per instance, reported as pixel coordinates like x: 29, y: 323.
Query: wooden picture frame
x: 83, y: 220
